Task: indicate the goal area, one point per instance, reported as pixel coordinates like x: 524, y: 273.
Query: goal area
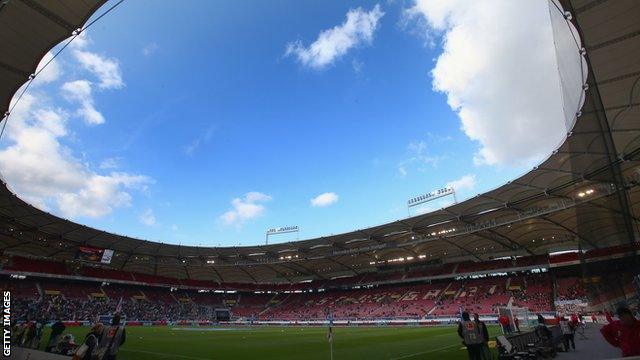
x: 521, y: 313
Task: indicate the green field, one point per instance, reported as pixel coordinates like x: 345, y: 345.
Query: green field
x: 282, y: 343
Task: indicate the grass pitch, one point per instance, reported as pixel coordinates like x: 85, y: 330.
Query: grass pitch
x: 284, y: 343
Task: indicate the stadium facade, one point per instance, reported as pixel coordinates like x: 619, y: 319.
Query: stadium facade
x: 585, y: 196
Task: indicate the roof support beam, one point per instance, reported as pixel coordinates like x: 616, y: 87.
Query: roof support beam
x: 620, y: 38
x: 589, y: 5
x: 610, y: 209
x: 569, y: 230
x: 248, y: 274
x: 514, y: 245
x: 220, y: 279
x: 14, y: 70
x: 479, y: 233
x: 247, y: 258
x: 343, y: 265
x: 462, y: 248
x: 309, y: 270
x: 49, y: 15
x: 561, y: 171
x: 278, y: 272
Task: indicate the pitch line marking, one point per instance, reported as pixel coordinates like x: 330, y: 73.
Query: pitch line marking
x: 424, y: 352
x: 173, y: 356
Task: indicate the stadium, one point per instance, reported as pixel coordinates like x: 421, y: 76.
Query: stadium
x: 562, y: 239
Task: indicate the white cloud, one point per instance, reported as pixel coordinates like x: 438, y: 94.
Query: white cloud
x: 148, y: 218
x: 324, y: 199
x: 149, y: 49
x: 498, y: 70
x: 51, y: 73
x: 357, y: 66
x: 80, y: 91
x: 418, y: 157
x: 81, y: 41
x: 41, y: 170
x: 110, y: 164
x: 201, y: 139
x: 100, y: 194
x: 467, y: 182
x: 247, y: 208
x: 334, y: 43
x: 106, y: 69
x: 255, y: 196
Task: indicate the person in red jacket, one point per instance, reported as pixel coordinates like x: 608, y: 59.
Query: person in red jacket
x: 624, y: 333
x: 505, y: 323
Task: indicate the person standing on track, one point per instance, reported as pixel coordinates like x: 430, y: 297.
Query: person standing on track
x: 568, y: 330
x: 113, y: 338
x: 56, y: 333
x: 486, y: 353
x: 472, y: 336
x: 505, y: 324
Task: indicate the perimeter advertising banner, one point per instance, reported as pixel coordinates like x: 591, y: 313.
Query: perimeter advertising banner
x: 92, y: 254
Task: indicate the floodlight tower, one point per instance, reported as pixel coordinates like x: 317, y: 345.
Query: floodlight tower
x: 281, y: 230
x: 436, y: 194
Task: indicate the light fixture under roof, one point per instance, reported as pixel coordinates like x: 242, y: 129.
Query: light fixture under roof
x: 395, y: 233
x: 320, y: 246
x: 355, y: 240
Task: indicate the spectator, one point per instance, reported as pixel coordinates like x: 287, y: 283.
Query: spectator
x: 623, y: 333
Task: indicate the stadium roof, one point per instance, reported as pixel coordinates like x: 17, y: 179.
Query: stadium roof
x: 576, y: 198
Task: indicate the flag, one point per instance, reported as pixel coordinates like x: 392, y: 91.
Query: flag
x: 119, y: 306
x: 330, y: 335
x: 49, y: 308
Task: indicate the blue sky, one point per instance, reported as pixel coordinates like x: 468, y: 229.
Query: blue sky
x: 211, y: 122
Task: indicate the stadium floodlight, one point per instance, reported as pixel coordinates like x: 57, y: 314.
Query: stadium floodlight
x: 436, y: 194
x: 281, y: 230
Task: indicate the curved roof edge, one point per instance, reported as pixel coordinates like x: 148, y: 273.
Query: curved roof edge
x: 547, y: 203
